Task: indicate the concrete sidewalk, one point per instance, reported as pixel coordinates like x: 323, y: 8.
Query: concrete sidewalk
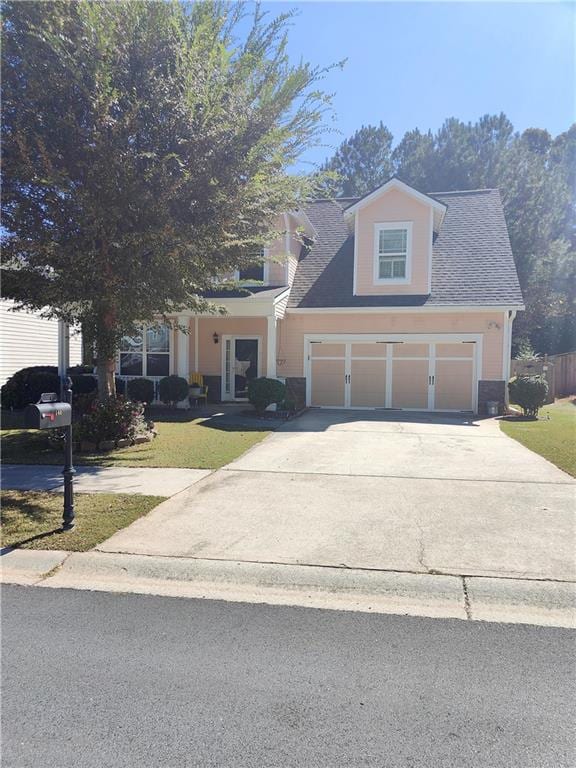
x: 148, y: 481
x: 544, y: 603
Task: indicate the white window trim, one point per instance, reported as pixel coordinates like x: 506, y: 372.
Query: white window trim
x: 265, y: 276
x: 144, y: 353
x: 407, y: 279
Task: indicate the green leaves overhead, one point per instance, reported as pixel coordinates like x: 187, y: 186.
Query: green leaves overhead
x: 145, y: 148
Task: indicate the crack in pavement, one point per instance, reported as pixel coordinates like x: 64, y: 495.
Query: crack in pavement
x: 52, y: 571
x: 467, y: 602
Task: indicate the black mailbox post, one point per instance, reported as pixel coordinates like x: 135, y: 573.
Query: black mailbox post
x: 50, y: 413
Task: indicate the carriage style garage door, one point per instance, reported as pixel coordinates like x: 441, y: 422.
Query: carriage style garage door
x: 401, y: 372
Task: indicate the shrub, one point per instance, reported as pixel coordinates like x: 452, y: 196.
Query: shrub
x: 173, y: 389
x: 26, y: 386
x: 83, y: 384
x: 141, y: 390
x: 263, y: 392
x: 529, y: 392
x: 287, y: 405
x: 112, y: 419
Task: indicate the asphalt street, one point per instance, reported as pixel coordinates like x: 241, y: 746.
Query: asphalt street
x: 94, y: 679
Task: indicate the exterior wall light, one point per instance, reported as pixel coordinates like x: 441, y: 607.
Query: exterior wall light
x: 215, y: 337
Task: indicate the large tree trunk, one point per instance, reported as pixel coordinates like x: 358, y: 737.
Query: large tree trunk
x: 105, y: 369
x: 106, y: 352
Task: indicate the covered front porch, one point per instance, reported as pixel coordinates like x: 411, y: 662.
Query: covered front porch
x: 226, y: 350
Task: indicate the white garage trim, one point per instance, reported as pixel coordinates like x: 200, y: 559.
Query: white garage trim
x: 432, y: 339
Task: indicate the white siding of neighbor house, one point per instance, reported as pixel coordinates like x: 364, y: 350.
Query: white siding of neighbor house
x: 27, y: 339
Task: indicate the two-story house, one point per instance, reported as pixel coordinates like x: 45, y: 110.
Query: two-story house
x: 398, y: 300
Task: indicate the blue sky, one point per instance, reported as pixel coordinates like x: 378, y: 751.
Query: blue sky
x: 414, y: 64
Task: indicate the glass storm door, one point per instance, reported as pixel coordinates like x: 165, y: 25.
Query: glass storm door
x: 241, y: 364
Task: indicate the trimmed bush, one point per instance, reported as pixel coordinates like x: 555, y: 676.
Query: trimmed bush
x: 26, y: 386
x: 83, y: 384
x: 529, y: 392
x: 263, y: 392
x: 141, y: 390
x: 173, y: 389
x: 112, y: 419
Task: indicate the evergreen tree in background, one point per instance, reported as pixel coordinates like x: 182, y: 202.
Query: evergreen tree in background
x: 536, y: 175
x: 361, y: 163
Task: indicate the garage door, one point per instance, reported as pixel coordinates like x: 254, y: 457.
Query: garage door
x: 367, y: 375
x: 453, y: 377
x: 328, y: 375
x: 400, y: 375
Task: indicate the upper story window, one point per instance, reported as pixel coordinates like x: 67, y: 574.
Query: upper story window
x: 392, y: 252
x: 255, y: 274
x: 252, y: 274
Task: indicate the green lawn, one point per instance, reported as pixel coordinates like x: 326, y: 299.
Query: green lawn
x: 181, y: 442
x: 32, y: 519
x: 553, y: 435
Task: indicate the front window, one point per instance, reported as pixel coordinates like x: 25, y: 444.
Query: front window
x: 146, y: 353
x: 392, y: 251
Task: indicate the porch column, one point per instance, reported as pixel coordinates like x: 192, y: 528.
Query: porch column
x: 271, y: 348
x: 183, y: 343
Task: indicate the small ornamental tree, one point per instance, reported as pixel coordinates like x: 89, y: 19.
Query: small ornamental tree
x: 529, y: 392
x: 145, y: 152
x: 263, y: 392
x: 172, y: 390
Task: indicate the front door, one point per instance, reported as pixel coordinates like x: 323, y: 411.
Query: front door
x: 241, y: 364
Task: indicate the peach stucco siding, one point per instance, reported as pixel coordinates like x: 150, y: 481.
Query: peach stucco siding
x: 209, y: 353
x: 294, y: 326
x: 393, y: 205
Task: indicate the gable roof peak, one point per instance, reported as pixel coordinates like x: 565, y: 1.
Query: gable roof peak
x: 394, y: 182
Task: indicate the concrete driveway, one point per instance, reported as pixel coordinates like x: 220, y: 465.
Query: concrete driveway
x: 365, y: 490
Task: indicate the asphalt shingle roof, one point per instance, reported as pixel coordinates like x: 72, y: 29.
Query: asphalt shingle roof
x: 472, y: 261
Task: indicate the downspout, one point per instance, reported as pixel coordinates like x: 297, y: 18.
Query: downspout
x: 508, y: 360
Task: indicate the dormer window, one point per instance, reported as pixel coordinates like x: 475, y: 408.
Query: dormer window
x: 255, y: 274
x: 392, y: 252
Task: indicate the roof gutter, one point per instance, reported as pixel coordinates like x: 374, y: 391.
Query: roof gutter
x: 438, y: 308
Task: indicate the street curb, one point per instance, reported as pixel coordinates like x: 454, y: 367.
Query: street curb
x: 337, y: 588
x: 415, y: 594
x: 28, y: 566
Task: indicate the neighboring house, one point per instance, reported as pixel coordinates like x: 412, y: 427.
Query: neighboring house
x: 27, y: 339
x: 397, y: 300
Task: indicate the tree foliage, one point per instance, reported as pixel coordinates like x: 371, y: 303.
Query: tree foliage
x: 361, y: 163
x: 145, y: 148
x: 536, y: 175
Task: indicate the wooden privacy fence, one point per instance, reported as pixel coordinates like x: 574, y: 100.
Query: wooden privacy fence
x: 558, y: 370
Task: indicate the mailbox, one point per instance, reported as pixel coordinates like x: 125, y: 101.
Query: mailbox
x: 48, y: 415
